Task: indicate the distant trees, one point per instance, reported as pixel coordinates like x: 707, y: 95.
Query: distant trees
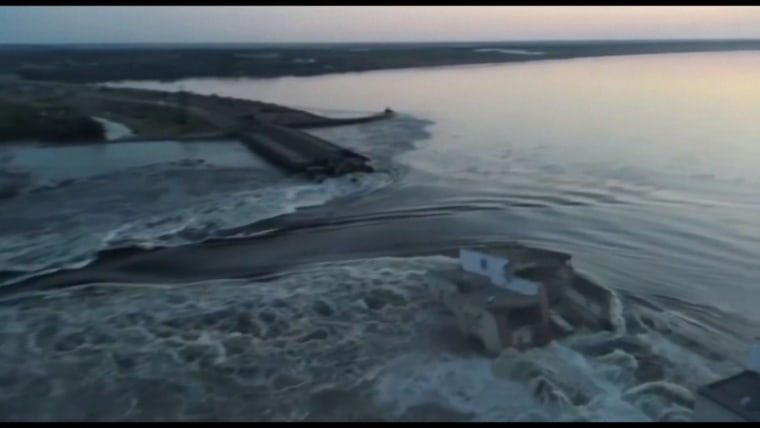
x: 173, y: 63
x: 20, y: 121
x: 183, y: 108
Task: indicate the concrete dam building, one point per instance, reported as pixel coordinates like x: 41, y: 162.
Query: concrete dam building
x: 511, y: 297
x: 519, y: 298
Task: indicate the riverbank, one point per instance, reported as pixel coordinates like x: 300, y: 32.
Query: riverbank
x: 151, y: 114
x: 144, y: 116
x: 619, y: 162
x: 23, y: 120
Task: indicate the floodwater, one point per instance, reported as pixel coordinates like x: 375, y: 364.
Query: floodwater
x: 642, y: 167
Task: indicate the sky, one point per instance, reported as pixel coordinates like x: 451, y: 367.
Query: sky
x: 266, y: 24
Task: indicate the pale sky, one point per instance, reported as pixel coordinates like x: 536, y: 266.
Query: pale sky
x: 133, y: 24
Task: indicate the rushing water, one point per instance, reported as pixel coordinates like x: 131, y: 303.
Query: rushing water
x: 114, y: 130
x: 644, y: 168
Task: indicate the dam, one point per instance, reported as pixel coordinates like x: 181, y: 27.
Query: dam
x: 274, y: 133
x: 298, y: 152
x: 270, y: 131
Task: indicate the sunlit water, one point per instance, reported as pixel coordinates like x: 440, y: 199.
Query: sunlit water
x: 644, y: 168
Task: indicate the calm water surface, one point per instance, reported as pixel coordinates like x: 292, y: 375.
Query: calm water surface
x: 79, y: 161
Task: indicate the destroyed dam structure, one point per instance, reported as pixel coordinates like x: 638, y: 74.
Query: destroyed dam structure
x: 270, y: 131
x: 275, y: 134
x: 298, y: 152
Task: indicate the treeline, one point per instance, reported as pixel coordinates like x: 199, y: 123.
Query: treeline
x: 98, y: 65
x: 22, y: 121
x: 114, y: 66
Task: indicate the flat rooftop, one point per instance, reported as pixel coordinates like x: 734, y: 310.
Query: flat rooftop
x: 739, y: 393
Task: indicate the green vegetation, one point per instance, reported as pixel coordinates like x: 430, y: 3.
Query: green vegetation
x: 46, y: 109
x: 143, y: 117
x: 21, y: 121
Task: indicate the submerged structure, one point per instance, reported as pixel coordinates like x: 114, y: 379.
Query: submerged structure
x: 733, y: 399
x: 297, y: 152
x: 518, y: 297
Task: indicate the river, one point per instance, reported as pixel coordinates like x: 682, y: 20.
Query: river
x: 642, y: 167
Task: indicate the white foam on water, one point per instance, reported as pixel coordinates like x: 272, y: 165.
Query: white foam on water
x: 177, y: 203
x: 381, y: 141
x: 225, y: 349
x: 591, y: 389
x: 72, y: 238
x: 114, y: 130
x: 252, y: 350
x: 465, y: 385
x: 563, y: 382
x: 554, y: 383
x: 616, y: 316
x: 202, y: 221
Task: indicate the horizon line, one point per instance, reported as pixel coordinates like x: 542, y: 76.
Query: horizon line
x: 712, y: 39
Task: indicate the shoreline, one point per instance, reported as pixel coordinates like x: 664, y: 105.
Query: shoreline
x: 163, y: 115
x: 528, y: 59
x: 166, y: 63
